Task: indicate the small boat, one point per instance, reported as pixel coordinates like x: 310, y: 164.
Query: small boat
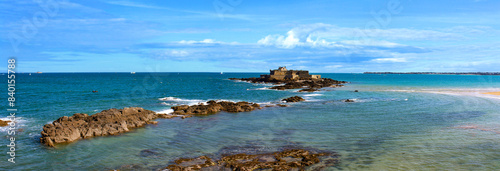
x: 132, y: 72
x: 221, y: 73
x: 94, y: 91
x: 38, y: 72
x: 30, y: 73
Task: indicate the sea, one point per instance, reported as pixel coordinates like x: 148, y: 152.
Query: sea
x: 396, y: 122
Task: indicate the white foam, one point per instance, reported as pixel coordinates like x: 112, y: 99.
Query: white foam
x: 221, y: 100
x: 20, y: 122
x: 169, y: 98
x: 174, y: 101
x: 312, y: 95
x: 169, y: 101
x: 166, y: 111
x: 265, y: 103
x: 262, y: 88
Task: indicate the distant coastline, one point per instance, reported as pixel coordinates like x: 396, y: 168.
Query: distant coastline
x: 438, y: 73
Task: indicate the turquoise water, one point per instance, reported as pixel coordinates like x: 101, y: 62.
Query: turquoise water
x: 398, y: 122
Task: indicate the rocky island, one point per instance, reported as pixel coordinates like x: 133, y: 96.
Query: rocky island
x: 294, y: 79
x: 114, y: 121
x: 293, y: 99
x: 213, y: 107
x: 438, y: 73
x: 108, y: 122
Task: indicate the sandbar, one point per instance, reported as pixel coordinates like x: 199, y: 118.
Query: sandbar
x: 493, y: 93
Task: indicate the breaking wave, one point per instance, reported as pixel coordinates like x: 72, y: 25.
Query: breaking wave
x: 171, y: 101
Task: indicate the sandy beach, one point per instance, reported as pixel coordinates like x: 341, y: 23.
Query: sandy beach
x: 493, y: 93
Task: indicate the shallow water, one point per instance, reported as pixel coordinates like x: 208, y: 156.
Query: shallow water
x: 397, y: 122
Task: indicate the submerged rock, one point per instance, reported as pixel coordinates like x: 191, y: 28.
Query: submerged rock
x: 192, y: 164
x: 282, y: 160
x: 108, y: 122
x: 349, y: 100
x: 308, y: 90
x: 293, y: 99
x: 149, y: 153
x: 213, y: 106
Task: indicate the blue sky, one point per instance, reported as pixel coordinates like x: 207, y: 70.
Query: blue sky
x: 250, y: 36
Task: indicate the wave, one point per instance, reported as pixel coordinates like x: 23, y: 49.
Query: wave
x: 172, y: 101
x: 20, y: 123
x: 263, y: 88
x: 166, y: 111
x: 259, y: 83
x: 312, y: 95
x: 169, y: 98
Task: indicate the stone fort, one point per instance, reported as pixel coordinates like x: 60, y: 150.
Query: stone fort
x: 283, y: 74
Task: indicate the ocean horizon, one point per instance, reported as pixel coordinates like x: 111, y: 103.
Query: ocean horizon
x: 396, y: 122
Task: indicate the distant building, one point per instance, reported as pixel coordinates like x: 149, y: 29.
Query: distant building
x: 283, y: 74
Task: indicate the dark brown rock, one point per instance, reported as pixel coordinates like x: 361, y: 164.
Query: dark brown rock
x: 191, y: 164
x: 281, y: 105
x: 308, y: 90
x: 283, y: 160
x: 166, y: 116
x: 108, y: 122
x: 348, y: 100
x: 293, y: 99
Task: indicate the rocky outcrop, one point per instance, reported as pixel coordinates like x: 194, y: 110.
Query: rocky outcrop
x: 290, y: 159
x: 308, y: 85
x: 108, y: 122
x: 114, y: 121
x: 281, y: 105
x: 4, y: 123
x: 349, y: 100
x: 293, y: 99
x: 213, y: 106
x: 308, y: 90
x: 192, y: 164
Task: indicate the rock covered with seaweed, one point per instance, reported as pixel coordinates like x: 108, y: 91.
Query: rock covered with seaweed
x: 288, y: 159
x: 213, y: 106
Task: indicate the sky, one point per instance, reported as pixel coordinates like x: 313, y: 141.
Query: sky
x: 335, y: 36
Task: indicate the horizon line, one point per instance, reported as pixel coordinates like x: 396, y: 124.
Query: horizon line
x: 167, y: 72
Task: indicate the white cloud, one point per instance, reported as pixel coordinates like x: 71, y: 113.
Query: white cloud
x: 326, y: 35
x: 333, y: 66
x: 175, y: 53
x: 205, y: 41
x: 133, y: 4
x: 381, y: 43
x: 388, y: 60
x: 198, y: 14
